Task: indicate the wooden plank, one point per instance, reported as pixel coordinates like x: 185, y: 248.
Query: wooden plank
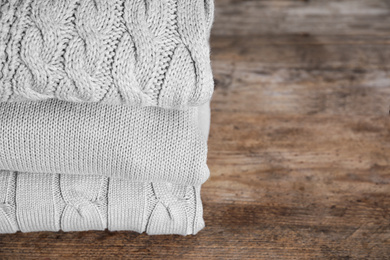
x: 306, y: 186
x: 302, y: 74
x: 319, y: 17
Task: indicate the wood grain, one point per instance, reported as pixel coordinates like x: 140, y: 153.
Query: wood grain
x: 302, y: 74
x: 299, y: 146
x: 330, y: 17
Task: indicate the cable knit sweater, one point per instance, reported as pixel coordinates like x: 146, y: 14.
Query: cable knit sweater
x: 133, y: 52
x: 99, y: 106
x: 80, y: 166
x: 51, y: 202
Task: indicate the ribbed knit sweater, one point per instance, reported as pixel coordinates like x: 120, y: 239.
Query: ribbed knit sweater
x: 99, y: 106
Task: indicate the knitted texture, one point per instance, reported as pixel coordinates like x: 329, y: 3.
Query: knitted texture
x: 134, y: 52
x: 51, y: 202
x: 79, y: 166
x: 99, y: 114
x: 135, y: 143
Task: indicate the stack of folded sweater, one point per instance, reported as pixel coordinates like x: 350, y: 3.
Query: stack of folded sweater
x: 99, y: 104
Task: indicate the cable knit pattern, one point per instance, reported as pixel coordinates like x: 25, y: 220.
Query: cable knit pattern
x: 133, y: 52
x: 53, y: 202
x: 99, y: 124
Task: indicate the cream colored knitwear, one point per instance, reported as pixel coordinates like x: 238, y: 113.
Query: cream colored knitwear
x: 146, y: 163
x: 135, y: 143
x: 32, y: 202
x: 133, y: 52
x: 99, y: 106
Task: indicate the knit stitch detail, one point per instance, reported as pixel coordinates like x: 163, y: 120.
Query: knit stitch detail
x: 134, y: 143
x: 91, y: 203
x: 133, y: 52
x: 8, y: 223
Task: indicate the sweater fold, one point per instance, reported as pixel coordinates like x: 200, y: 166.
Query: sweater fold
x: 31, y: 202
x: 131, y: 52
x: 134, y: 143
x: 99, y: 124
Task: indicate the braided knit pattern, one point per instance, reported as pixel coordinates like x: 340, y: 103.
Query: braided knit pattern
x: 133, y: 52
x: 51, y: 202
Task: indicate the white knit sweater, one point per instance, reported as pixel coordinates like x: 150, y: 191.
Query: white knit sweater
x: 99, y: 114
x: 51, y: 202
x: 134, y: 52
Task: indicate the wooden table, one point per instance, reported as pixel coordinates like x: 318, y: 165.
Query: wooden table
x: 299, y: 145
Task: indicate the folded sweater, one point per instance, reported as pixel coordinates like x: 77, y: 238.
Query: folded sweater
x: 32, y: 202
x: 54, y: 152
x: 133, y: 52
x: 135, y: 143
x: 99, y: 114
